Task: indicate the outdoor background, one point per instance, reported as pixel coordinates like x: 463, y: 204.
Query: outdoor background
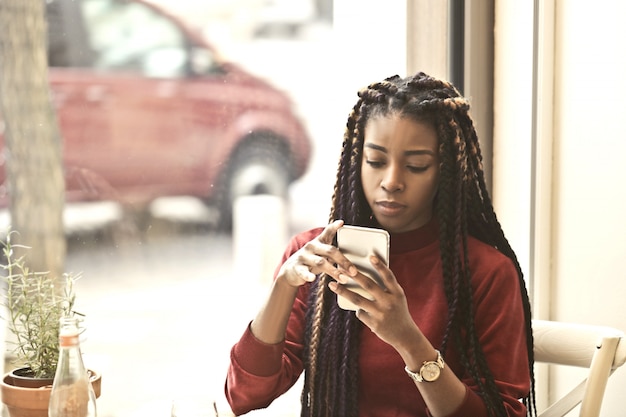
x: 166, y: 305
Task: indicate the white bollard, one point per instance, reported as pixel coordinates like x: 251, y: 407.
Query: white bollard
x: 259, y: 237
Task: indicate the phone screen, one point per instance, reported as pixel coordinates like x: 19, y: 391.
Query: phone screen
x: 357, y: 244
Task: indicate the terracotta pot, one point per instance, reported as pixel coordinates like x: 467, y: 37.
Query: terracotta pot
x: 22, y: 377
x: 32, y: 400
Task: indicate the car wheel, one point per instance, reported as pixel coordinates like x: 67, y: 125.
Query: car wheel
x: 260, y: 166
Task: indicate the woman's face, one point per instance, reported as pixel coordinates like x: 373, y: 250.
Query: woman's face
x: 400, y: 171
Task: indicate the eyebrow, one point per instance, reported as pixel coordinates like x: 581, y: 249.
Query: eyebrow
x: 407, y: 153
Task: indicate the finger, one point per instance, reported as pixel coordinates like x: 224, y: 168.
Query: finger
x: 387, y: 277
x: 328, y: 234
x: 368, y: 284
x: 328, y: 258
x: 362, y: 315
x: 332, y: 253
x: 318, y: 264
x: 351, y: 296
x: 304, y: 272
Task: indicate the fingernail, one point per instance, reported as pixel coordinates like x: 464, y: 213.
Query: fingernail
x: 343, y: 278
x: 332, y: 285
x: 374, y: 259
x: 352, y: 270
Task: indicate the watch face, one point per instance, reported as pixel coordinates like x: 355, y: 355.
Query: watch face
x: 431, y: 371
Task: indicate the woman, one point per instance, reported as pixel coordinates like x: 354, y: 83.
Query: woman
x: 449, y: 331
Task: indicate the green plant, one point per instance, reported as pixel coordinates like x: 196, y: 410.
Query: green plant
x: 35, y: 305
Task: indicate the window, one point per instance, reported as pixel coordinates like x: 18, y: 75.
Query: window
x: 131, y: 37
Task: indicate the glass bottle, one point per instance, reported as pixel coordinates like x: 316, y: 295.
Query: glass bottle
x: 72, y: 394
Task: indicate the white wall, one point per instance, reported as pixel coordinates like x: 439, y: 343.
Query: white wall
x: 590, y: 168
x: 512, y: 123
x: 586, y: 243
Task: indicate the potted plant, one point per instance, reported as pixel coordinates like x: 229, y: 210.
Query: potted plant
x: 34, y: 306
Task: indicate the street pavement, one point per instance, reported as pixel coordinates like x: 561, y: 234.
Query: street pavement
x: 163, y: 309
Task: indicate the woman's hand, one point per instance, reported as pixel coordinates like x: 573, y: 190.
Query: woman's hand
x: 387, y: 315
x: 316, y: 257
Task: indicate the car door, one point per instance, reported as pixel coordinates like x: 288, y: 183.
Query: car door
x: 81, y: 100
x: 141, y: 57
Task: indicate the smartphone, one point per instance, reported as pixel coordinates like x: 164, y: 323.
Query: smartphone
x: 358, y: 244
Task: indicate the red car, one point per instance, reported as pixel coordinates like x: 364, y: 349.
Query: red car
x: 147, y: 109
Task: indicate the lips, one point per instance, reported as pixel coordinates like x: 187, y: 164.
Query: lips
x: 389, y: 208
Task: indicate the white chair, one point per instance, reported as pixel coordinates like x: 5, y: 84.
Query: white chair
x: 601, y: 349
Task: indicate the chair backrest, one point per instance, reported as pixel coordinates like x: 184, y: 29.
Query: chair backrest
x: 599, y: 348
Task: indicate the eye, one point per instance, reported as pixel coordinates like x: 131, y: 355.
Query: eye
x: 374, y: 163
x: 417, y: 169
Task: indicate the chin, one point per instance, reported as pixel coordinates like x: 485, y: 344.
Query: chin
x: 398, y: 226
x: 392, y: 227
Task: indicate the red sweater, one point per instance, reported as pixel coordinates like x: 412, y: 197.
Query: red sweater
x: 259, y: 372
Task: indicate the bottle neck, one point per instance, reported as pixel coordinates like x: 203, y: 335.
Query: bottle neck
x: 68, y: 332
x: 68, y: 340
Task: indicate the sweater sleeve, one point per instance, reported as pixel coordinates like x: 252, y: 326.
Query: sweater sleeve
x: 259, y: 372
x: 472, y: 405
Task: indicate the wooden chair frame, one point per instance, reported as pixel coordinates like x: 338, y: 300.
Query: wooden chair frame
x: 600, y: 349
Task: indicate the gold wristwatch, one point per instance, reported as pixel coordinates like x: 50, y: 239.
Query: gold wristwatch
x: 429, y: 371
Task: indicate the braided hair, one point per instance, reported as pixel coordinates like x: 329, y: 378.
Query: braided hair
x: 462, y: 206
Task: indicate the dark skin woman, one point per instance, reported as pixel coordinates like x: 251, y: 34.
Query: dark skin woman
x: 448, y: 333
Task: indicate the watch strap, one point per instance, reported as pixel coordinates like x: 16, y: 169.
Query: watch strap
x: 418, y: 376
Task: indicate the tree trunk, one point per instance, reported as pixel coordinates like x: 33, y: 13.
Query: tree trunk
x: 33, y: 141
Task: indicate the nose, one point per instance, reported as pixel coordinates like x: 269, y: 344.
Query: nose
x: 392, y: 180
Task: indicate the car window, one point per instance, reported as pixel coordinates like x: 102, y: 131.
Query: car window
x: 103, y: 35
x: 68, y: 43
x: 132, y: 37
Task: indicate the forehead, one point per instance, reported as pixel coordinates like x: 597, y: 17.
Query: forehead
x: 400, y: 132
